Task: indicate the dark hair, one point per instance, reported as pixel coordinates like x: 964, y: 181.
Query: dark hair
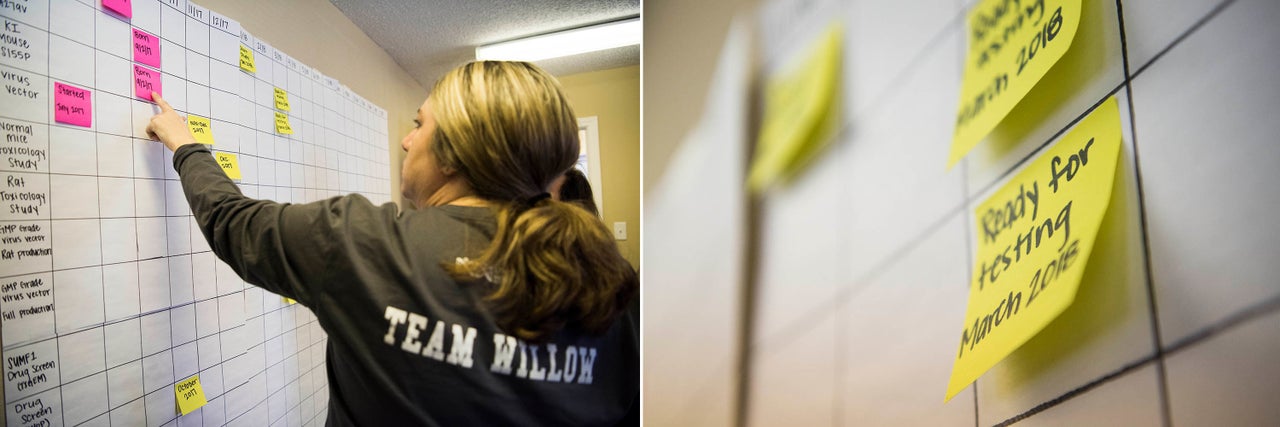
x: 577, y: 189
x: 508, y: 129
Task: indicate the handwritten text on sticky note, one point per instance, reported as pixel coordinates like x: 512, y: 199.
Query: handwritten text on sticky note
x: 282, y: 124
x: 282, y: 99
x: 146, y: 48
x: 229, y: 164
x: 246, y: 59
x: 201, y: 129
x: 72, y: 105
x: 1011, y: 46
x: 1034, y: 238
x: 122, y: 7
x: 145, y: 81
x: 190, y: 395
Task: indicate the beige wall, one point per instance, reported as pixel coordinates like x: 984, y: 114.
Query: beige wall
x: 682, y: 41
x: 318, y: 34
x: 613, y: 96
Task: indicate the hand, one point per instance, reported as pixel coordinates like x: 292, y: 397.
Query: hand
x: 169, y: 127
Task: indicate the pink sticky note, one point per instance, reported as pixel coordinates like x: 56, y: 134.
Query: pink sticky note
x: 72, y: 105
x: 145, y: 81
x: 146, y: 48
x: 123, y: 7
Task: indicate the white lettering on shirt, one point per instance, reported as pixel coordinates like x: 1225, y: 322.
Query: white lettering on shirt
x: 504, y: 350
x: 460, y: 350
x: 435, y: 344
x: 536, y: 373
x: 553, y: 375
x: 395, y: 317
x: 575, y: 364
x: 411, y: 343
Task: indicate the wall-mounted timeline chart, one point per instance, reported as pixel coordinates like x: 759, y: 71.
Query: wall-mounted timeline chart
x: 113, y: 309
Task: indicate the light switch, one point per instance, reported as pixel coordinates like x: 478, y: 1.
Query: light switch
x: 620, y: 230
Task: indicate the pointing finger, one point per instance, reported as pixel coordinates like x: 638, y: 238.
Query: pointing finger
x: 164, y: 106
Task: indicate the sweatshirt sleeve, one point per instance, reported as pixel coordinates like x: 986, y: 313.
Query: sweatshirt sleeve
x: 284, y: 248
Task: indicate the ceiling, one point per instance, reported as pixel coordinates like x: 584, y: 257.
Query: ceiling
x: 428, y: 39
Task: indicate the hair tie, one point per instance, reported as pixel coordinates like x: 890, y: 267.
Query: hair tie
x: 533, y: 201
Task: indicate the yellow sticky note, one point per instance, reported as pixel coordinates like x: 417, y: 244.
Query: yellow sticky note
x: 229, y: 163
x: 1011, y: 46
x: 288, y: 300
x: 1034, y: 238
x: 282, y: 99
x: 282, y: 124
x: 801, y: 112
x: 190, y: 395
x: 246, y: 60
x: 201, y: 129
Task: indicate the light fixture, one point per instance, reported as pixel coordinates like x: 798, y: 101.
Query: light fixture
x: 564, y: 43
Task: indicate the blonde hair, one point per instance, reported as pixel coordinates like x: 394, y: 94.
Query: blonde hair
x: 508, y: 129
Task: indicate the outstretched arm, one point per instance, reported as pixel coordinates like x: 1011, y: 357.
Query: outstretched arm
x: 169, y: 127
x: 279, y: 247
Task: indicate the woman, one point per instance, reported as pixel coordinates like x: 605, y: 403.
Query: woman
x: 489, y: 305
x: 574, y: 187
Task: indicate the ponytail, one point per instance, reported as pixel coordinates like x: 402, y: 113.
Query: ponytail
x: 552, y: 264
x: 509, y: 130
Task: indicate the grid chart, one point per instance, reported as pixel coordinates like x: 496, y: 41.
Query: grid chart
x: 863, y: 262
x: 110, y: 293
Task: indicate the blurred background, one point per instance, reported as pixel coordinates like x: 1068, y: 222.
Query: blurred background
x: 837, y: 296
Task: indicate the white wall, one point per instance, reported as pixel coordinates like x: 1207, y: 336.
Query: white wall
x: 864, y: 260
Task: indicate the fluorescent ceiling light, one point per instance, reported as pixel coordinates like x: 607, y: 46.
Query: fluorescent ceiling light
x: 565, y: 43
